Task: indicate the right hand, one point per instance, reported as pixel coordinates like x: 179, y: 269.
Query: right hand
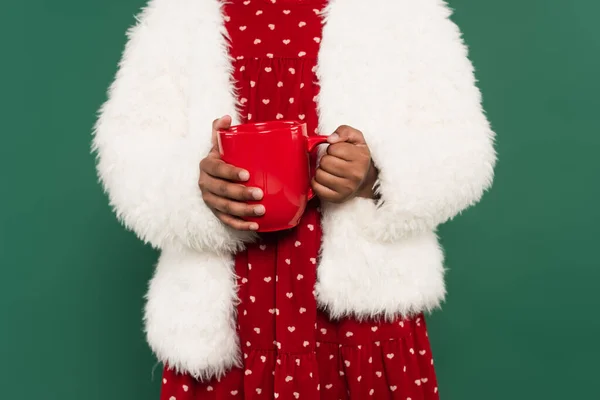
x: 221, y: 188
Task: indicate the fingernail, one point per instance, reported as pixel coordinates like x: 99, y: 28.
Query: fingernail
x: 253, y: 227
x: 259, y: 210
x: 257, y: 194
x: 334, y: 137
x: 244, y: 176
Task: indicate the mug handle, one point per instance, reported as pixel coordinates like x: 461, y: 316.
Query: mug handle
x: 312, y: 144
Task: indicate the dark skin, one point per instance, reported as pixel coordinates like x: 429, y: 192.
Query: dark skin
x: 345, y: 172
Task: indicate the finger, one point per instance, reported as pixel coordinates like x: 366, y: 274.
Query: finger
x: 235, y: 208
x: 220, y: 123
x: 347, y: 134
x: 334, y: 165
x: 228, y: 190
x: 236, y: 223
x: 335, y: 183
x: 344, y: 151
x: 219, y: 169
x: 325, y: 193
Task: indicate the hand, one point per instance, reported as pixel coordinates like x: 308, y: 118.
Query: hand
x: 346, y: 171
x: 221, y: 190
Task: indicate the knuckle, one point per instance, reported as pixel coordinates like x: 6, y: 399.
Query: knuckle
x: 248, y: 194
x: 209, y: 164
x: 242, y: 226
x: 248, y: 210
x: 233, y: 224
x: 326, y: 161
x: 219, y: 170
x: 223, y: 217
x: 334, y: 149
x: 319, y: 175
x: 223, y: 189
x: 227, y: 171
x: 233, y: 191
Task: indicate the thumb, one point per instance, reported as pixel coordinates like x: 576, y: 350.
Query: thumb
x: 347, y: 134
x: 218, y: 124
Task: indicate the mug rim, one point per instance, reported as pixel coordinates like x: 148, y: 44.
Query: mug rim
x: 279, y: 126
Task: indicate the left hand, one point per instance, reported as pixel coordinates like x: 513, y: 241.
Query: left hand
x: 347, y: 170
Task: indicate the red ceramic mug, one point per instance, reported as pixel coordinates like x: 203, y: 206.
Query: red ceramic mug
x: 276, y: 154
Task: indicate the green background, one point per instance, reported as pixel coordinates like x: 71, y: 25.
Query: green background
x: 521, y: 320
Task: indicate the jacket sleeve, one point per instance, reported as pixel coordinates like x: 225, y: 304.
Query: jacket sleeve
x: 147, y: 158
x: 436, y: 157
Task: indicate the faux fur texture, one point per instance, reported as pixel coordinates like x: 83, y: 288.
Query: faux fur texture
x: 173, y: 81
x: 190, y: 318
x: 154, y: 129
x: 365, y: 278
x: 407, y: 83
x: 395, y: 69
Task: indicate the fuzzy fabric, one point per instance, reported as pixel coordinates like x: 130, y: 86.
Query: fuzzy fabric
x: 414, y: 97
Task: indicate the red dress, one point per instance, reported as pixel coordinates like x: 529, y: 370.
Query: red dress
x: 292, y: 350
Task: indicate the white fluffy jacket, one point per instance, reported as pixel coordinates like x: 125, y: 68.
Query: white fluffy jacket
x: 395, y: 69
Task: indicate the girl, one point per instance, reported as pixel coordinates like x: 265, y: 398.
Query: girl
x: 332, y: 309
